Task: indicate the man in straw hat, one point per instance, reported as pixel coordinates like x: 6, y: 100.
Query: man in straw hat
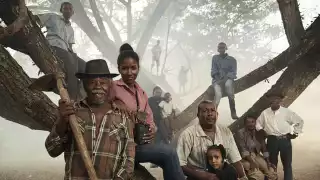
x: 108, y: 133
x: 280, y: 125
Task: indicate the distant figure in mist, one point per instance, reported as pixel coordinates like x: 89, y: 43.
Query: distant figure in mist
x: 154, y: 102
x: 60, y: 36
x: 223, y: 73
x: 183, y: 79
x: 156, y: 53
x: 168, y: 111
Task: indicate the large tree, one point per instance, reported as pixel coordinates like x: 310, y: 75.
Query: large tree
x: 34, y: 109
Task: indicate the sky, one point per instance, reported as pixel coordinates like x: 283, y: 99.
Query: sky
x: 20, y: 144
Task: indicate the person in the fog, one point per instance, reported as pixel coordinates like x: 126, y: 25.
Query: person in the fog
x: 154, y: 102
x: 223, y: 73
x: 183, y: 79
x: 156, y: 54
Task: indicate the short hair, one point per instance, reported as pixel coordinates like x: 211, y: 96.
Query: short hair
x: 156, y: 88
x: 167, y: 94
x: 219, y: 148
x: 249, y: 116
x: 222, y: 43
x: 205, y: 102
x: 65, y: 3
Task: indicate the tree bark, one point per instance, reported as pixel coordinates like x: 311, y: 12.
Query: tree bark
x: 291, y: 20
x: 297, y: 76
x: 289, y: 56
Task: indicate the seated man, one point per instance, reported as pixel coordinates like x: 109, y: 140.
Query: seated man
x: 194, y: 141
x: 250, y: 145
x: 108, y: 133
x: 60, y: 36
x: 223, y: 73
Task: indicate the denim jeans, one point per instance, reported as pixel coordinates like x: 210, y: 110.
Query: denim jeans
x: 228, y: 87
x: 162, y: 155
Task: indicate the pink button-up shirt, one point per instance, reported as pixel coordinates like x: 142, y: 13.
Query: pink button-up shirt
x: 121, y: 91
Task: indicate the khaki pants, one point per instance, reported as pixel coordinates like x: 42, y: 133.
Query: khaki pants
x: 259, y: 174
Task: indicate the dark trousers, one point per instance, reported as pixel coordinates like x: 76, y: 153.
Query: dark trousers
x: 162, y: 133
x: 284, y: 147
x: 161, y: 155
x: 72, y: 64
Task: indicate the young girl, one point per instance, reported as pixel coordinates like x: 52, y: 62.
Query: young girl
x: 216, y: 155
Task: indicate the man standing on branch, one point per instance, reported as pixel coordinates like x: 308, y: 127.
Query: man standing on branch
x: 280, y: 125
x: 223, y: 73
x: 108, y: 133
x: 195, y: 140
x: 60, y: 36
x: 156, y: 53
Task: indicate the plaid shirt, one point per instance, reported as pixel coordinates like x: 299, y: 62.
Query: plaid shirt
x: 112, y: 147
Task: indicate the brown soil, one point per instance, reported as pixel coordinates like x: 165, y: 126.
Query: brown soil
x: 306, y: 166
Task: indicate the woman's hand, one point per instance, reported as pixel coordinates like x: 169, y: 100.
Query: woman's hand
x: 149, y: 137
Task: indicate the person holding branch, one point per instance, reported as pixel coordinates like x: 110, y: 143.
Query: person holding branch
x: 107, y: 132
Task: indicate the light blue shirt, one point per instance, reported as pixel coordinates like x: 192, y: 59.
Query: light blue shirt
x: 59, y: 32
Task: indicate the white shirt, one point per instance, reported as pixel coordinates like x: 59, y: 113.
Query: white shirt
x: 156, y: 51
x: 166, y: 108
x: 280, y: 122
x: 193, y: 144
x: 59, y: 33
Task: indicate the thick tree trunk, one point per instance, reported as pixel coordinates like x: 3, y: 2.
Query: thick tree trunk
x: 19, y: 104
x: 291, y: 20
x: 297, y: 76
x: 289, y: 56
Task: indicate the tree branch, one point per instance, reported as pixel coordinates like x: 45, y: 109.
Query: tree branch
x: 124, y: 2
x: 19, y: 23
x: 18, y: 103
x: 129, y: 21
x: 97, y: 17
x: 114, y: 31
x: 289, y: 56
x: 291, y: 20
x: 295, y: 79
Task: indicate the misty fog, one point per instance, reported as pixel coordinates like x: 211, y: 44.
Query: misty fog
x: 22, y: 146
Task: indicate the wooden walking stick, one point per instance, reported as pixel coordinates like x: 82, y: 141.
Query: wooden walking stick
x: 50, y: 82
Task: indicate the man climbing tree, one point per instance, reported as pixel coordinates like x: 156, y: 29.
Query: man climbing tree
x: 223, y: 73
x: 60, y: 36
x: 156, y: 53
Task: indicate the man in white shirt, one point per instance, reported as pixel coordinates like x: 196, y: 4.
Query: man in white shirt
x: 60, y: 36
x: 156, y: 53
x: 168, y: 112
x: 195, y: 140
x: 280, y: 125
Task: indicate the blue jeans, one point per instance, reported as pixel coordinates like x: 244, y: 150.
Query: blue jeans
x: 162, y: 155
x: 227, y: 85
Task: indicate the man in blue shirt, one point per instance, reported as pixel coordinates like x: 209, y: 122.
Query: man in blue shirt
x: 223, y: 73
